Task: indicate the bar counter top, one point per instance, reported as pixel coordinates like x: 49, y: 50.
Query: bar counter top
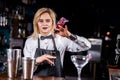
x: 3, y: 76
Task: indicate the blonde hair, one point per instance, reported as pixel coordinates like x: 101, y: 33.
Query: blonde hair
x: 36, y: 19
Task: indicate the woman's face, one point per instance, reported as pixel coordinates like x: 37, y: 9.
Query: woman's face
x: 45, y: 24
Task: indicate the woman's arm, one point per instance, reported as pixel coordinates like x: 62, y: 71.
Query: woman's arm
x: 75, y: 43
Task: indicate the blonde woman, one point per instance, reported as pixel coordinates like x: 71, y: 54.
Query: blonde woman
x: 48, y: 47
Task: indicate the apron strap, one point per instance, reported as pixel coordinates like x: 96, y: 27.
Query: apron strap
x: 38, y: 43
x: 55, y: 48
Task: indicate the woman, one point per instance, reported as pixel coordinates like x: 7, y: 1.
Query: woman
x: 49, y: 47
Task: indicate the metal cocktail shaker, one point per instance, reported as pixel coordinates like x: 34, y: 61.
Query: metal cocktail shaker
x: 28, y: 67
x: 13, y: 60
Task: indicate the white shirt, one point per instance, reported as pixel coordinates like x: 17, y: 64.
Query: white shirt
x: 62, y: 43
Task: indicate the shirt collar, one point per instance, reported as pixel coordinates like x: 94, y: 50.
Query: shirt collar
x: 46, y: 35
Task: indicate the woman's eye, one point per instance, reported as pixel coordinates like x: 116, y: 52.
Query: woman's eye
x: 47, y: 20
x: 40, y: 20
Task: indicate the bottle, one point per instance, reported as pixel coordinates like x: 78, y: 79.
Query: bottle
x: 20, y: 30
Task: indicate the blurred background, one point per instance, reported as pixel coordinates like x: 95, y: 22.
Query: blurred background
x: 89, y: 18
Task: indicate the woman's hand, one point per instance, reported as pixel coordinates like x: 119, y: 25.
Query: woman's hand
x: 45, y: 57
x: 63, y: 31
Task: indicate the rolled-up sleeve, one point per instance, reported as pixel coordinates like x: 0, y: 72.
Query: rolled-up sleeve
x: 80, y: 44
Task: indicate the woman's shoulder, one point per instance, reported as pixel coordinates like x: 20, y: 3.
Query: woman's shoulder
x: 61, y: 38
x: 30, y: 39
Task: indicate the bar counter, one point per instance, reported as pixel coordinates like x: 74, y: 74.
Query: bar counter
x: 3, y: 76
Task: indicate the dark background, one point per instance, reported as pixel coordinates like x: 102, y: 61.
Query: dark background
x: 85, y: 16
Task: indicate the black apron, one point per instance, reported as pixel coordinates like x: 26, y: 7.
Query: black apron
x: 45, y: 69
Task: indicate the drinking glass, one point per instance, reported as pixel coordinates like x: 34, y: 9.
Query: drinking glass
x: 79, y: 61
